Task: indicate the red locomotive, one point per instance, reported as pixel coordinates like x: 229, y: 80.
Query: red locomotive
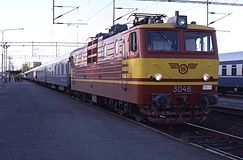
x: 164, y: 72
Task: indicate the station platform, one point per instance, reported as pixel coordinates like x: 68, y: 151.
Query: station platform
x: 37, y: 123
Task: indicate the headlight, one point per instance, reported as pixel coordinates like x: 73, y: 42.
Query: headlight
x: 181, y: 22
x: 158, y: 77
x: 206, y: 77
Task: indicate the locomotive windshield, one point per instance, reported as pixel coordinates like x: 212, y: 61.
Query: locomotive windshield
x: 162, y: 41
x: 198, y: 41
x: 170, y: 41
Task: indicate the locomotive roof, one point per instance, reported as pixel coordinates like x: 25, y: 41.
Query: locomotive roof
x: 170, y: 25
x: 231, y: 56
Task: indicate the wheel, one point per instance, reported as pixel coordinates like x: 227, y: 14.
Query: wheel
x: 121, y: 112
x: 138, y: 117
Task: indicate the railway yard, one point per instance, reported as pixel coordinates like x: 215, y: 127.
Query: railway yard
x: 65, y: 128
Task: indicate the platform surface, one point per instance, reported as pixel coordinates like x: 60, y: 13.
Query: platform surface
x: 37, y: 123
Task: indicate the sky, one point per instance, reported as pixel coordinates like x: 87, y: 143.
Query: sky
x: 36, y: 17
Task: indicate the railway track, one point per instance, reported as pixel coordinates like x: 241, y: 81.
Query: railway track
x: 225, y: 110
x: 226, y: 145
x: 229, y: 105
x: 221, y: 143
x: 233, y: 96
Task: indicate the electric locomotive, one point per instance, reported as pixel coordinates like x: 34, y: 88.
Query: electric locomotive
x: 164, y: 72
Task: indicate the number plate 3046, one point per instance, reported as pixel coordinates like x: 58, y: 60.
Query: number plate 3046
x: 182, y: 89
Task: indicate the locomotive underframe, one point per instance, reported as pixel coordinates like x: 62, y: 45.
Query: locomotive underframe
x: 169, y: 108
x: 179, y: 108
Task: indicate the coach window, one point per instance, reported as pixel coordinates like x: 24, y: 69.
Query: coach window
x: 55, y: 70
x: 51, y: 70
x: 224, y: 70
x: 233, y: 70
x: 133, y: 41
x: 62, y: 69
x: 58, y: 69
x: 242, y: 70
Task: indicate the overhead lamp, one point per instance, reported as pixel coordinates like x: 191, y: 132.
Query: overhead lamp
x: 179, y: 20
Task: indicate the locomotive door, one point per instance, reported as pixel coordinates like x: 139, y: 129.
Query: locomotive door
x: 124, y: 64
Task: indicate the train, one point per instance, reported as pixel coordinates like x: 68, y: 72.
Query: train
x: 231, y: 73
x: 160, y: 69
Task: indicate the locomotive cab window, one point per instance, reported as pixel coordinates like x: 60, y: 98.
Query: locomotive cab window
x: 133, y: 41
x: 162, y: 41
x: 199, y: 42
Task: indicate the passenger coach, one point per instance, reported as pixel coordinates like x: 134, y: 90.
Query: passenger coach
x: 54, y: 74
x: 231, y: 72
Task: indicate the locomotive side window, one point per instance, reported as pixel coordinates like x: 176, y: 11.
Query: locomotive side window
x: 105, y: 50
x: 233, y: 70
x: 116, y: 47
x: 200, y: 42
x: 133, y: 41
x: 162, y: 41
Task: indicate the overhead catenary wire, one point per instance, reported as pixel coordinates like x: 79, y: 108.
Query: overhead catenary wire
x: 218, y: 2
x: 91, y: 17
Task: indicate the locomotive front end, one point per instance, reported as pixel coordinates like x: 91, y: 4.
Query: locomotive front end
x: 176, y: 72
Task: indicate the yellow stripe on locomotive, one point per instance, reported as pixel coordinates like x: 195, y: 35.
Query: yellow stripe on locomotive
x: 170, y: 68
